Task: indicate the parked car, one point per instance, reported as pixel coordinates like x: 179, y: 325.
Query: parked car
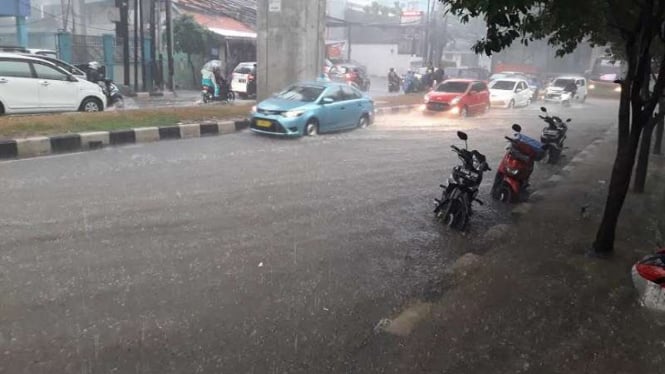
x: 13, y: 49
x: 510, y: 93
x: 354, y: 75
x: 78, y: 73
x: 459, y: 97
x: 32, y: 85
x: 243, y: 80
x: 555, y: 92
x: 309, y: 108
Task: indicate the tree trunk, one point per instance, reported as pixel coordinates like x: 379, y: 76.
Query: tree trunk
x: 643, y: 160
x: 619, y: 185
x: 658, y: 144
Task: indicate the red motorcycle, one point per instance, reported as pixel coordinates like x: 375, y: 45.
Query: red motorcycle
x: 512, y: 177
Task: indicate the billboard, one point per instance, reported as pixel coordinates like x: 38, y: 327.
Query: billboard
x: 13, y: 8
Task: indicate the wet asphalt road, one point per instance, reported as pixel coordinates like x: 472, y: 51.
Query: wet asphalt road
x: 239, y: 253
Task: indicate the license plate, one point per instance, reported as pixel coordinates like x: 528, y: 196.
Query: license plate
x: 263, y: 123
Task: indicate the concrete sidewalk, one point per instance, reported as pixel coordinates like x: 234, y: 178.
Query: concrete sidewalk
x: 528, y: 300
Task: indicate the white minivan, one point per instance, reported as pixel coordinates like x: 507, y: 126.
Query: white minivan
x: 33, y: 85
x: 243, y: 81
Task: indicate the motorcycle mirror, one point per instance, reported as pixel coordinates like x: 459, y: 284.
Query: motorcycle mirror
x: 462, y: 135
x: 517, y: 128
x: 543, y: 109
x: 568, y: 120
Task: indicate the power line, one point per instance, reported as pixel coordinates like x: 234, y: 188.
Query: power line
x: 78, y: 17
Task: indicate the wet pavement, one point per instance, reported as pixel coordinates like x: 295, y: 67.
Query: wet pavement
x: 238, y: 253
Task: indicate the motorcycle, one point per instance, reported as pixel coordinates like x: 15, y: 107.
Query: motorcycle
x: 226, y: 95
x: 113, y: 96
x: 454, y: 207
x: 553, y: 136
x: 394, y: 84
x: 512, y: 176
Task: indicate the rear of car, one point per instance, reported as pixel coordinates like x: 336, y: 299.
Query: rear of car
x: 244, y: 79
x: 458, y: 97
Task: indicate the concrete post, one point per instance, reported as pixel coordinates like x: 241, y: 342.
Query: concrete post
x: 290, y: 43
x: 65, y: 46
x: 21, y: 32
x: 108, y: 41
x: 147, y: 62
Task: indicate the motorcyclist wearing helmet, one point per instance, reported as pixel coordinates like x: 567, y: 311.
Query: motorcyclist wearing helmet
x: 572, y: 88
x: 94, y: 74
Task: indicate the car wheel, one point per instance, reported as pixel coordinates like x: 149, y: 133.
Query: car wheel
x: 2, y: 109
x: 363, y: 123
x: 91, y: 105
x: 231, y: 96
x: 464, y: 112
x: 312, y: 128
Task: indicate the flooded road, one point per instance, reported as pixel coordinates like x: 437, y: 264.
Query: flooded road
x: 238, y: 253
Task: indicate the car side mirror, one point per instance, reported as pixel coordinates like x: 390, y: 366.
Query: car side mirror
x: 473, y: 93
x: 568, y: 120
x: 71, y: 78
x: 327, y: 100
x: 518, y: 90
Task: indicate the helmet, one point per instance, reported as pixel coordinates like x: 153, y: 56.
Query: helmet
x: 93, y: 65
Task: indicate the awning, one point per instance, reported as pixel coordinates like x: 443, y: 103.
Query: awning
x: 233, y: 33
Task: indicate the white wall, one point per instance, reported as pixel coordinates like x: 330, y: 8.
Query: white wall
x: 379, y: 58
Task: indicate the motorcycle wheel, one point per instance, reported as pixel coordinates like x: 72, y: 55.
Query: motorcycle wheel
x: 505, y: 194
x: 553, y: 156
x: 231, y: 96
x: 204, y: 98
x: 119, y: 103
x: 455, y: 216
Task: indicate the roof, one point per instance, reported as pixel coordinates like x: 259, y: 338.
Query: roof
x: 243, y: 11
x: 224, y: 26
x: 20, y: 55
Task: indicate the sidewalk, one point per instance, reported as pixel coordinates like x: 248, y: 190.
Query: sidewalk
x: 531, y: 302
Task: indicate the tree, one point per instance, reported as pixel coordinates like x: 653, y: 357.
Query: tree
x: 191, y: 38
x: 636, y: 24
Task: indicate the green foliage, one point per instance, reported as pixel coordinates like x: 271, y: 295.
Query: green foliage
x: 376, y: 9
x: 189, y: 37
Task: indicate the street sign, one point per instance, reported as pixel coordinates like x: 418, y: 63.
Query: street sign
x: 275, y: 6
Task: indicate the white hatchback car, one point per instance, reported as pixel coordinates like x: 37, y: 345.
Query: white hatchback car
x: 510, y: 93
x: 33, y: 85
x: 557, y: 91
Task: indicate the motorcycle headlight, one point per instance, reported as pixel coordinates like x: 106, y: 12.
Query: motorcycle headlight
x: 618, y: 89
x: 512, y: 171
x: 293, y: 113
x: 455, y: 101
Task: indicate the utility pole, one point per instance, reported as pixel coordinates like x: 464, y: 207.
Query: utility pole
x: 144, y: 78
x: 169, y: 43
x: 426, y: 41
x: 153, y: 38
x: 123, y: 32
x: 136, y: 45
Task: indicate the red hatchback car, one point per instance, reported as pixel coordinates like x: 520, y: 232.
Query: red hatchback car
x: 461, y: 97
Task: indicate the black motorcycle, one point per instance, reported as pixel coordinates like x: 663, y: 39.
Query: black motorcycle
x: 113, y: 96
x: 553, y: 136
x: 454, y: 207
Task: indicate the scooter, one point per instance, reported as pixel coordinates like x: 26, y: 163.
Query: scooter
x: 226, y: 95
x: 394, y: 85
x: 512, y: 176
x: 454, y: 207
x: 553, y: 136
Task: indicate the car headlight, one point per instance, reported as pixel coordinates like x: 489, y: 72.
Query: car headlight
x: 618, y: 89
x: 455, y: 101
x: 512, y: 171
x: 254, y: 109
x: 293, y: 113
x: 592, y: 86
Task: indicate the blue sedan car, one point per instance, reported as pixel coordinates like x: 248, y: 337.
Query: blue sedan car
x: 309, y: 108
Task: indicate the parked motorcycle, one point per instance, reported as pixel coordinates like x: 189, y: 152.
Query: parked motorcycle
x: 512, y: 176
x: 553, y: 136
x: 454, y: 207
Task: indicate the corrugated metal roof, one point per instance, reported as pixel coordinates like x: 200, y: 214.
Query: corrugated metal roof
x: 240, y: 10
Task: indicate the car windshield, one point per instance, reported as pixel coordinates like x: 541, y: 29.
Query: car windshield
x: 562, y: 83
x: 503, y: 85
x: 455, y: 87
x: 304, y: 93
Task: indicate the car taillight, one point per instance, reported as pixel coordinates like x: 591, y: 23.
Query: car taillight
x: 349, y: 76
x: 250, y: 77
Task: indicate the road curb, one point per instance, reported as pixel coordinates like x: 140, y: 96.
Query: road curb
x: 92, y: 140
